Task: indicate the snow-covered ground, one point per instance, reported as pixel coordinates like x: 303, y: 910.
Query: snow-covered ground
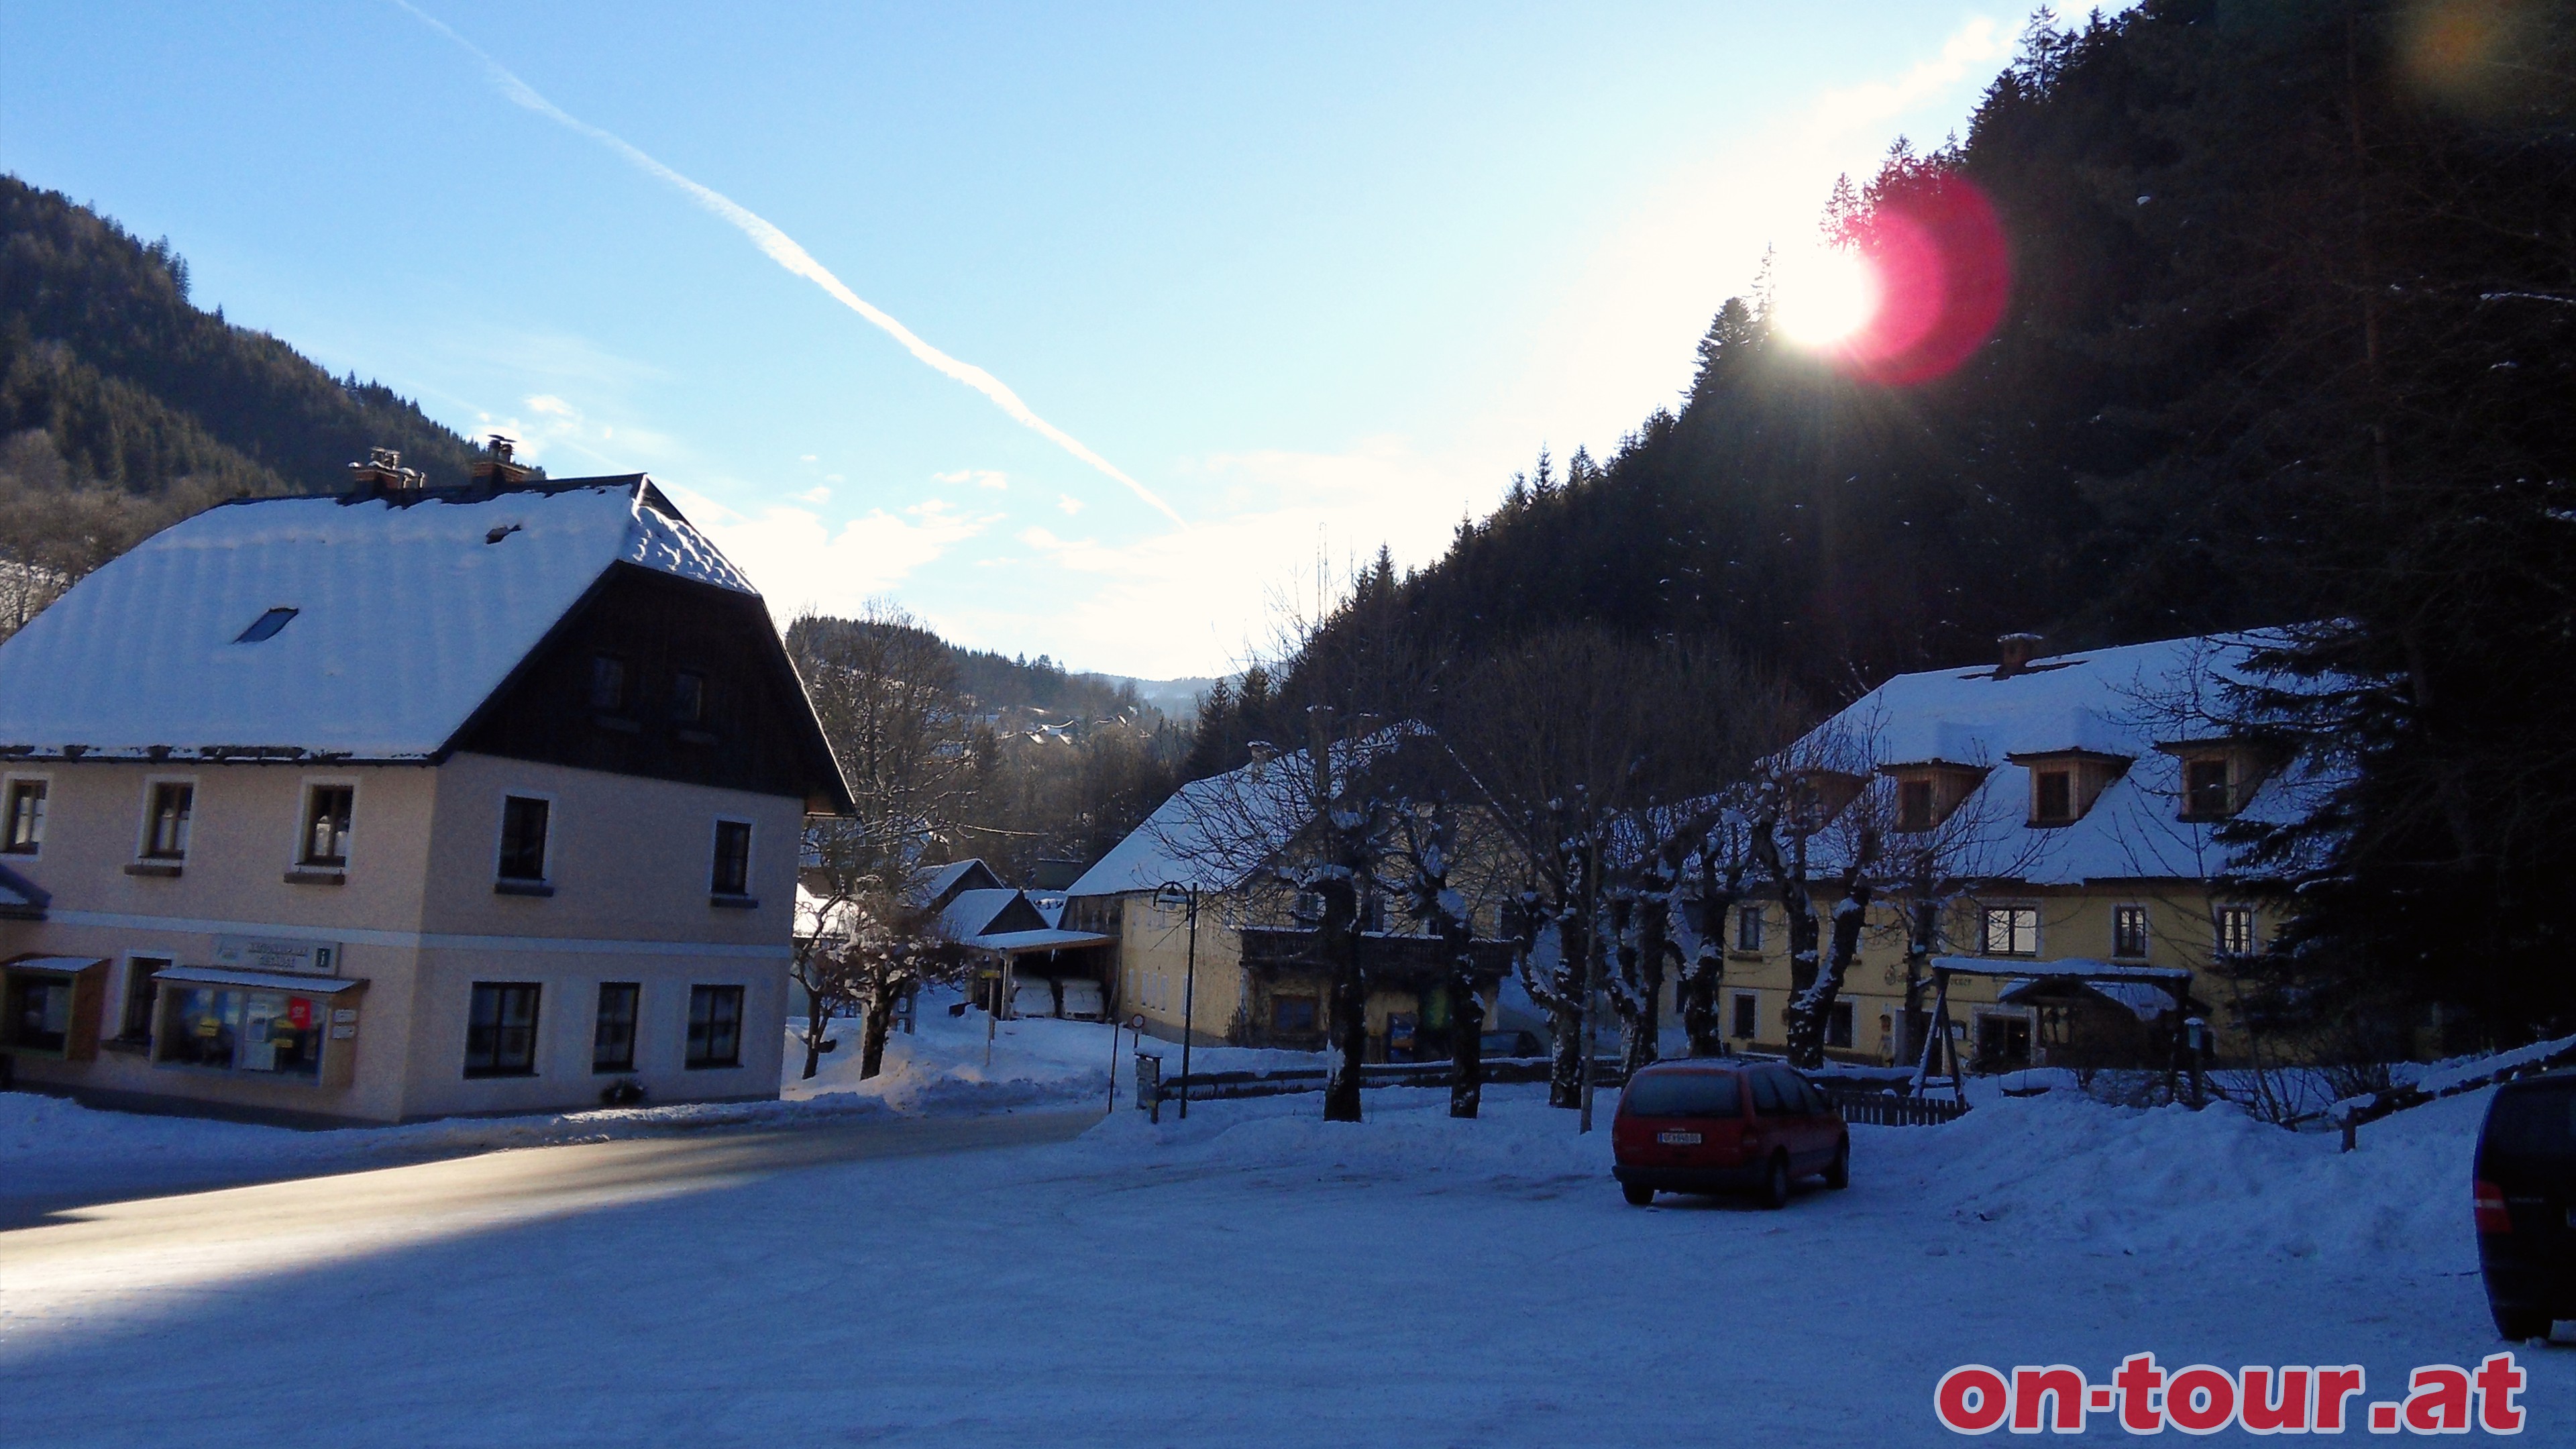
x: 1254, y: 1276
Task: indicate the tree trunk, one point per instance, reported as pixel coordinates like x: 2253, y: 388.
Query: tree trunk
x: 815, y: 1018
x: 1707, y: 970
x: 1645, y: 1036
x: 1813, y: 1006
x: 1338, y: 938
x: 1566, y: 1007
x: 878, y: 1022
x: 1466, y: 1035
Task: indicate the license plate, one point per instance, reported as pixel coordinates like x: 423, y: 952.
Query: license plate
x: 1679, y: 1139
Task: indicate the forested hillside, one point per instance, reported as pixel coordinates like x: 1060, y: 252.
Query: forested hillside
x: 124, y: 406
x: 2290, y: 336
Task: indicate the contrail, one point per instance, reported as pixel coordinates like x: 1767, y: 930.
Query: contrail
x: 783, y: 250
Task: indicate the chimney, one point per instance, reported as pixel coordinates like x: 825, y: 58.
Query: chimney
x: 2015, y: 652
x: 494, y: 470
x: 382, y: 474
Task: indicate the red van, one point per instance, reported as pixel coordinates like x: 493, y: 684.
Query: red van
x: 1703, y: 1126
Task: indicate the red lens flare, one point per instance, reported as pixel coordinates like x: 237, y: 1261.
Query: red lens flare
x: 1943, y: 275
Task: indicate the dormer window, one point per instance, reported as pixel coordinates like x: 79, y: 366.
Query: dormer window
x: 265, y: 627
x: 2052, y: 797
x: 2219, y: 777
x: 2065, y: 783
x: 1914, y: 804
x: 2204, y: 789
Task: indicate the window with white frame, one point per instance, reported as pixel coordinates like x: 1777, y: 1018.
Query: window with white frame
x: 327, y: 812
x: 2012, y: 931
x: 2129, y: 932
x: 1748, y: 928
x: 166, y: 818
x: 1748, y: 1015
x: 2236, y: 930
x: 25, y: 831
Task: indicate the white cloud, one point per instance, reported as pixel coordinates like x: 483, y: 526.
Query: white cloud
x: 813, y: 495
x: 980, y: 477
x: 801, y: 561
x: 1070, y: 504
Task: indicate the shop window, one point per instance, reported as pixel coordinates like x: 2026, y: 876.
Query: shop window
x: 612, y: 1039
x: 501, y: 1030
x: 2129, y: 932
x: 607, y: 683
x: 26, y: 828
x: 523, y: 838
x: 326, y: 824
x: 238, y: 1030
x: 40, y: 1013
x: 2236, y: 930
x: 165, y: 833
x: 1748, y: 928
x: 1838, y: 1025
x: 688, y: 697
x: 1748, y: 1015
x: 715, y: 1026
x: 731, y: 875
x: 2012, y: 931
x: 1292, y: 1015
x: 141, y: 992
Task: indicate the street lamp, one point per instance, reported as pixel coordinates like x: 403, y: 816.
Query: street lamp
x: 1171, y: 895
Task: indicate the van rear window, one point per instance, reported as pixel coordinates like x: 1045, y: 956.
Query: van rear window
x: 2539, y: 1121
x: 1682, y: 1094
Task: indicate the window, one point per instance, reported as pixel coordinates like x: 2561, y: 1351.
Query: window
x: 501, y: 1030
x: 612, y: 1040
x: 245, y: 1031
x: 1748, y: 928
x: 1914, y: 805
x: 165, y: 834
x: 732, y: 873
x: 1768, y: 1098
x: 1683, y: 1094
x: 523, y: 839
x: 2003, y: 1042
x: 326, y: 824
x: 688, y: 697
x: 1838, y: 1025
x: 1292, y: 1014
x: 2129, y: 931
x: 2236, y: 930
x: 1748, y: 1015
x: 26, y: 817
x: 2012, y: 930
x: 607, y: 683
x: 265, y: 626
x: 715, y: 1026
x: 39, y: 1013
x: 2205, y: 792
x: 141, y: 993
x: 2053, y: 796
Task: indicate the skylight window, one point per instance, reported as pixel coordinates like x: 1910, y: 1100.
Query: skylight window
x: 266, y: 626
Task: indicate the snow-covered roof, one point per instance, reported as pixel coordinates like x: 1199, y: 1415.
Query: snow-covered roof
x: 930, y: 885
x: 966, y: 917
x: 2123, y: 702
x: 407, y: 615
x: 1018, y: 941
x: 1212, y: 834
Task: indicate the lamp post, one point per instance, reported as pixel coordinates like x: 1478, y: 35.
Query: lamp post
x: 1171, y: 895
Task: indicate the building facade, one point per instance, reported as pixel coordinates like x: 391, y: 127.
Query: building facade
x: 405, y: 804
x: 2066, y: 814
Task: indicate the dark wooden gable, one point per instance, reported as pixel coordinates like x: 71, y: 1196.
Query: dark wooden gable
x: 1017, y: 915
x: 754, y: 730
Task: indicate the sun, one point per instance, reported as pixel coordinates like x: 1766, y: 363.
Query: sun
x: 1823, y: 296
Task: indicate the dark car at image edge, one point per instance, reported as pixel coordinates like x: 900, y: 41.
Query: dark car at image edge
x: 2524, y: 1200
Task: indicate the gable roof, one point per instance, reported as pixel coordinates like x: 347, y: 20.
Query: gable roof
x: 409, y: 612
x: 932, y: 887
x: 2122, y: 702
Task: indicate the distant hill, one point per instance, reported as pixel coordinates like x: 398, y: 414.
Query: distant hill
x: 101, y: 349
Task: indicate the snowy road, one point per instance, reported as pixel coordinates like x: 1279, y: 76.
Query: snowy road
x: 1254, y: 1278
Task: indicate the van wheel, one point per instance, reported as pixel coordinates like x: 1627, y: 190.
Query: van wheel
x: 1838, y: 1174
x: 1775, y: 1184
x: 2518, y: 1324
x: 1636, y: 1194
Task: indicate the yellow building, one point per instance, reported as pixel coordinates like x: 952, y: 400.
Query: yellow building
x: 1209, y: 935
x: 2063, y: 811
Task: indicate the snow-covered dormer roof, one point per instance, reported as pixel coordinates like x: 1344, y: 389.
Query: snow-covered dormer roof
x: 2125, y: 702
x: 359, y: 629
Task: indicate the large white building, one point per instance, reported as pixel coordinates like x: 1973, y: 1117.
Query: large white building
x: 403, y: 804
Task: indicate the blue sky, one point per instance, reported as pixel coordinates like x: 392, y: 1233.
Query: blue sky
x: 1317, y: 277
